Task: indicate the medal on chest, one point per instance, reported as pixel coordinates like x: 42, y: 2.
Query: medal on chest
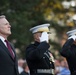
x: 51, y: 57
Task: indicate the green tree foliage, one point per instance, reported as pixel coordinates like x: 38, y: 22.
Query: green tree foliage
x: 24, y: 14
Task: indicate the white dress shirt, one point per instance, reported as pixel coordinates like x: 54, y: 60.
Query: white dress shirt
x: 3, y: 40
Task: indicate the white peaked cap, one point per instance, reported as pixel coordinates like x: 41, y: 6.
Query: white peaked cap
x: 72, y: 32
x: 40, y: 28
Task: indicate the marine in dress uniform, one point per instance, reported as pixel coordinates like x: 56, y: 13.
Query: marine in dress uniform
x: 69, y: 51
x: 39, y: 59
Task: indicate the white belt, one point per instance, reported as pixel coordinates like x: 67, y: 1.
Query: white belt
x: 49, y: 71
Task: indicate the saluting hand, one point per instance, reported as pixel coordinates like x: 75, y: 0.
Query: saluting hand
x: 44, y: 37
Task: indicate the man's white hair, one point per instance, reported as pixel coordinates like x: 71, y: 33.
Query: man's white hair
x: 2, y: 16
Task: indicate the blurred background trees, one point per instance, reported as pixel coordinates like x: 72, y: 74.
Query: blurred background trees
x: 24, y: 14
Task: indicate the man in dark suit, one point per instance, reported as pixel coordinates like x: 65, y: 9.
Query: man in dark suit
x: 69, y: 51
x: 8, y: 62
x: 39, y: 58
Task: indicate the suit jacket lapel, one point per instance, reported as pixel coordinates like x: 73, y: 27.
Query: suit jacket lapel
x: 5, y: 48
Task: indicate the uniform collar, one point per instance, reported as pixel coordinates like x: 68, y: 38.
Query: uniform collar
x: 36, y: 43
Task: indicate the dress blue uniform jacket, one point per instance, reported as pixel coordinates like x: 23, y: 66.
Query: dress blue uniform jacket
x: 69, y: 51
x: 37, y: 57
x: 8, y: 65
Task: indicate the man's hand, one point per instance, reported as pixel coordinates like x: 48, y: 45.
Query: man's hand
x: 73, y: 37
x: 44, y: 37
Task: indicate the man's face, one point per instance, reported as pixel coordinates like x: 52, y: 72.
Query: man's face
x: 5, y: 28
x: 75, y: 42
x: 37, y: 35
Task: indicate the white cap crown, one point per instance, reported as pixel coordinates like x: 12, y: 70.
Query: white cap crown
x: 72, y: 32
x: 40, y: 28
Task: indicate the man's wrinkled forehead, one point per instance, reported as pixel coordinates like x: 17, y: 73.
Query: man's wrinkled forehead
x: 3, y: 21
x: 2, y: 18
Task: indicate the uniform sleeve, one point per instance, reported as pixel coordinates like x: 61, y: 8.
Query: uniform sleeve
x: 36, y: 52
x: 66, y: 49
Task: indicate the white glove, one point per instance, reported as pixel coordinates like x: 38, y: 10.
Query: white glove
x: 44, y: 37
x: 73, y: 37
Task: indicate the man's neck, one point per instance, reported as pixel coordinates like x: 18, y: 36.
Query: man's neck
x: 4, y: 36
